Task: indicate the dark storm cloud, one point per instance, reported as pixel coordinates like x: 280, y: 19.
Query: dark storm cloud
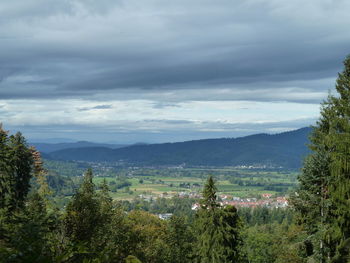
x: 54, y: 49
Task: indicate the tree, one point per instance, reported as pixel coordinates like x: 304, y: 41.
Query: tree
x: 324, y: 193
x: 179, y: 239
x: 16, y: 162
x: 209, y: 200
x: 29, y: 232
x: 147, y: 237
x: 25, y: 225
x: 40, y: 175
x: 338, y: 141
x: 217, y: 228
x: 5, y: 169
x: 83, y: 212
x: 314, y: 206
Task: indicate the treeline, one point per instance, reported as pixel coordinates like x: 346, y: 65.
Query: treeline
x: 265, y: 184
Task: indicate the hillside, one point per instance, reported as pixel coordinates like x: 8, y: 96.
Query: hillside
x: 285, y: 149
x: 52, y: 147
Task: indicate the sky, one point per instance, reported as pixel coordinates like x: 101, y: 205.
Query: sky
x: 164, y: 71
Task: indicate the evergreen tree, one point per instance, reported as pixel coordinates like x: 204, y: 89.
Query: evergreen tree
x: 179, y: 239
x: 21, y: 163
x: 217, y: 228
x: 5, y: 169
x: 15, y: 169
x: 338, y: 140
x: 104, y: 232
x: 323, y: 199
x: 83, y: 212
x: 314, y: 205
x: 209, y: 195
x: 29, y: 232
x: 25, y: 225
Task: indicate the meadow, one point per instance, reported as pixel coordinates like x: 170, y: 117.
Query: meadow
x: 167, y: 182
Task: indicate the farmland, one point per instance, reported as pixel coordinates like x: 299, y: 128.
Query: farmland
x: 168, y: 182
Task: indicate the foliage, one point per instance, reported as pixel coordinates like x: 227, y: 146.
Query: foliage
x: 82, y: 212
x: 217, y: 229
x: 323, y: 199
x: 16, y: 162
x: 180, y: 238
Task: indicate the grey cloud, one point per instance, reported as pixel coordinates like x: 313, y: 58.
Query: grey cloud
x: 164, y: 131
x: 163, y: 105
x: 98, y: 107
x: 88, y: 48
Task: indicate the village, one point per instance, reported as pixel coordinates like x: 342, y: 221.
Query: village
x: 266, y: 201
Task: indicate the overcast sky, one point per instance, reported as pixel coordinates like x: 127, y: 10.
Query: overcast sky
x: 154, y: 70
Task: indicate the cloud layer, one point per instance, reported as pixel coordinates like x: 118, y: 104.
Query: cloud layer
x: 168, y: 54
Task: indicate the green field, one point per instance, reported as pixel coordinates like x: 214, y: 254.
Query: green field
x: 130, y: 182
x: 169, y: 182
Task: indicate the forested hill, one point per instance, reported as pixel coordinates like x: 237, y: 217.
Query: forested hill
x: 284, y: 149
x: 52, y: 147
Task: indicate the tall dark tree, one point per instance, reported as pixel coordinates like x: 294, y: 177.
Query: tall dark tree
x: 28, y: 233
x: 179, y: 239
x: 338, y: 141
x: 209, y: 200
x: 83, y: 212
x: 217, y: 228
x: 21, y: 164
x: 16, y: 162
x: 5, y: 169
x: 313, y: 205
x: 25, y: 225
x: 324, y: 196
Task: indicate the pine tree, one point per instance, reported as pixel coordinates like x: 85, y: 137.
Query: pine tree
x: 5, y: 169
x: 179, y: 239
x: 217, y: 228
x: 313, y: 205
x: 16, y: 162
x: 324, y: 194
x: 338, y: 141
x: 24, y: 222
x: 83, y: 212
x: 209, y: 194
x: 21, y: 161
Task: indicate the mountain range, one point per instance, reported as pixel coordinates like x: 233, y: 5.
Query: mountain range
x: 285, y: 149
x: 52, y: 147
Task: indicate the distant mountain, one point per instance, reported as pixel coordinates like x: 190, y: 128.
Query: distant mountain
x: 51, y: 140
x: 284, y: 149
x: 52, y: 147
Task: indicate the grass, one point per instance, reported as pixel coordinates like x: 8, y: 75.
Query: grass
x: 156, y: 182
